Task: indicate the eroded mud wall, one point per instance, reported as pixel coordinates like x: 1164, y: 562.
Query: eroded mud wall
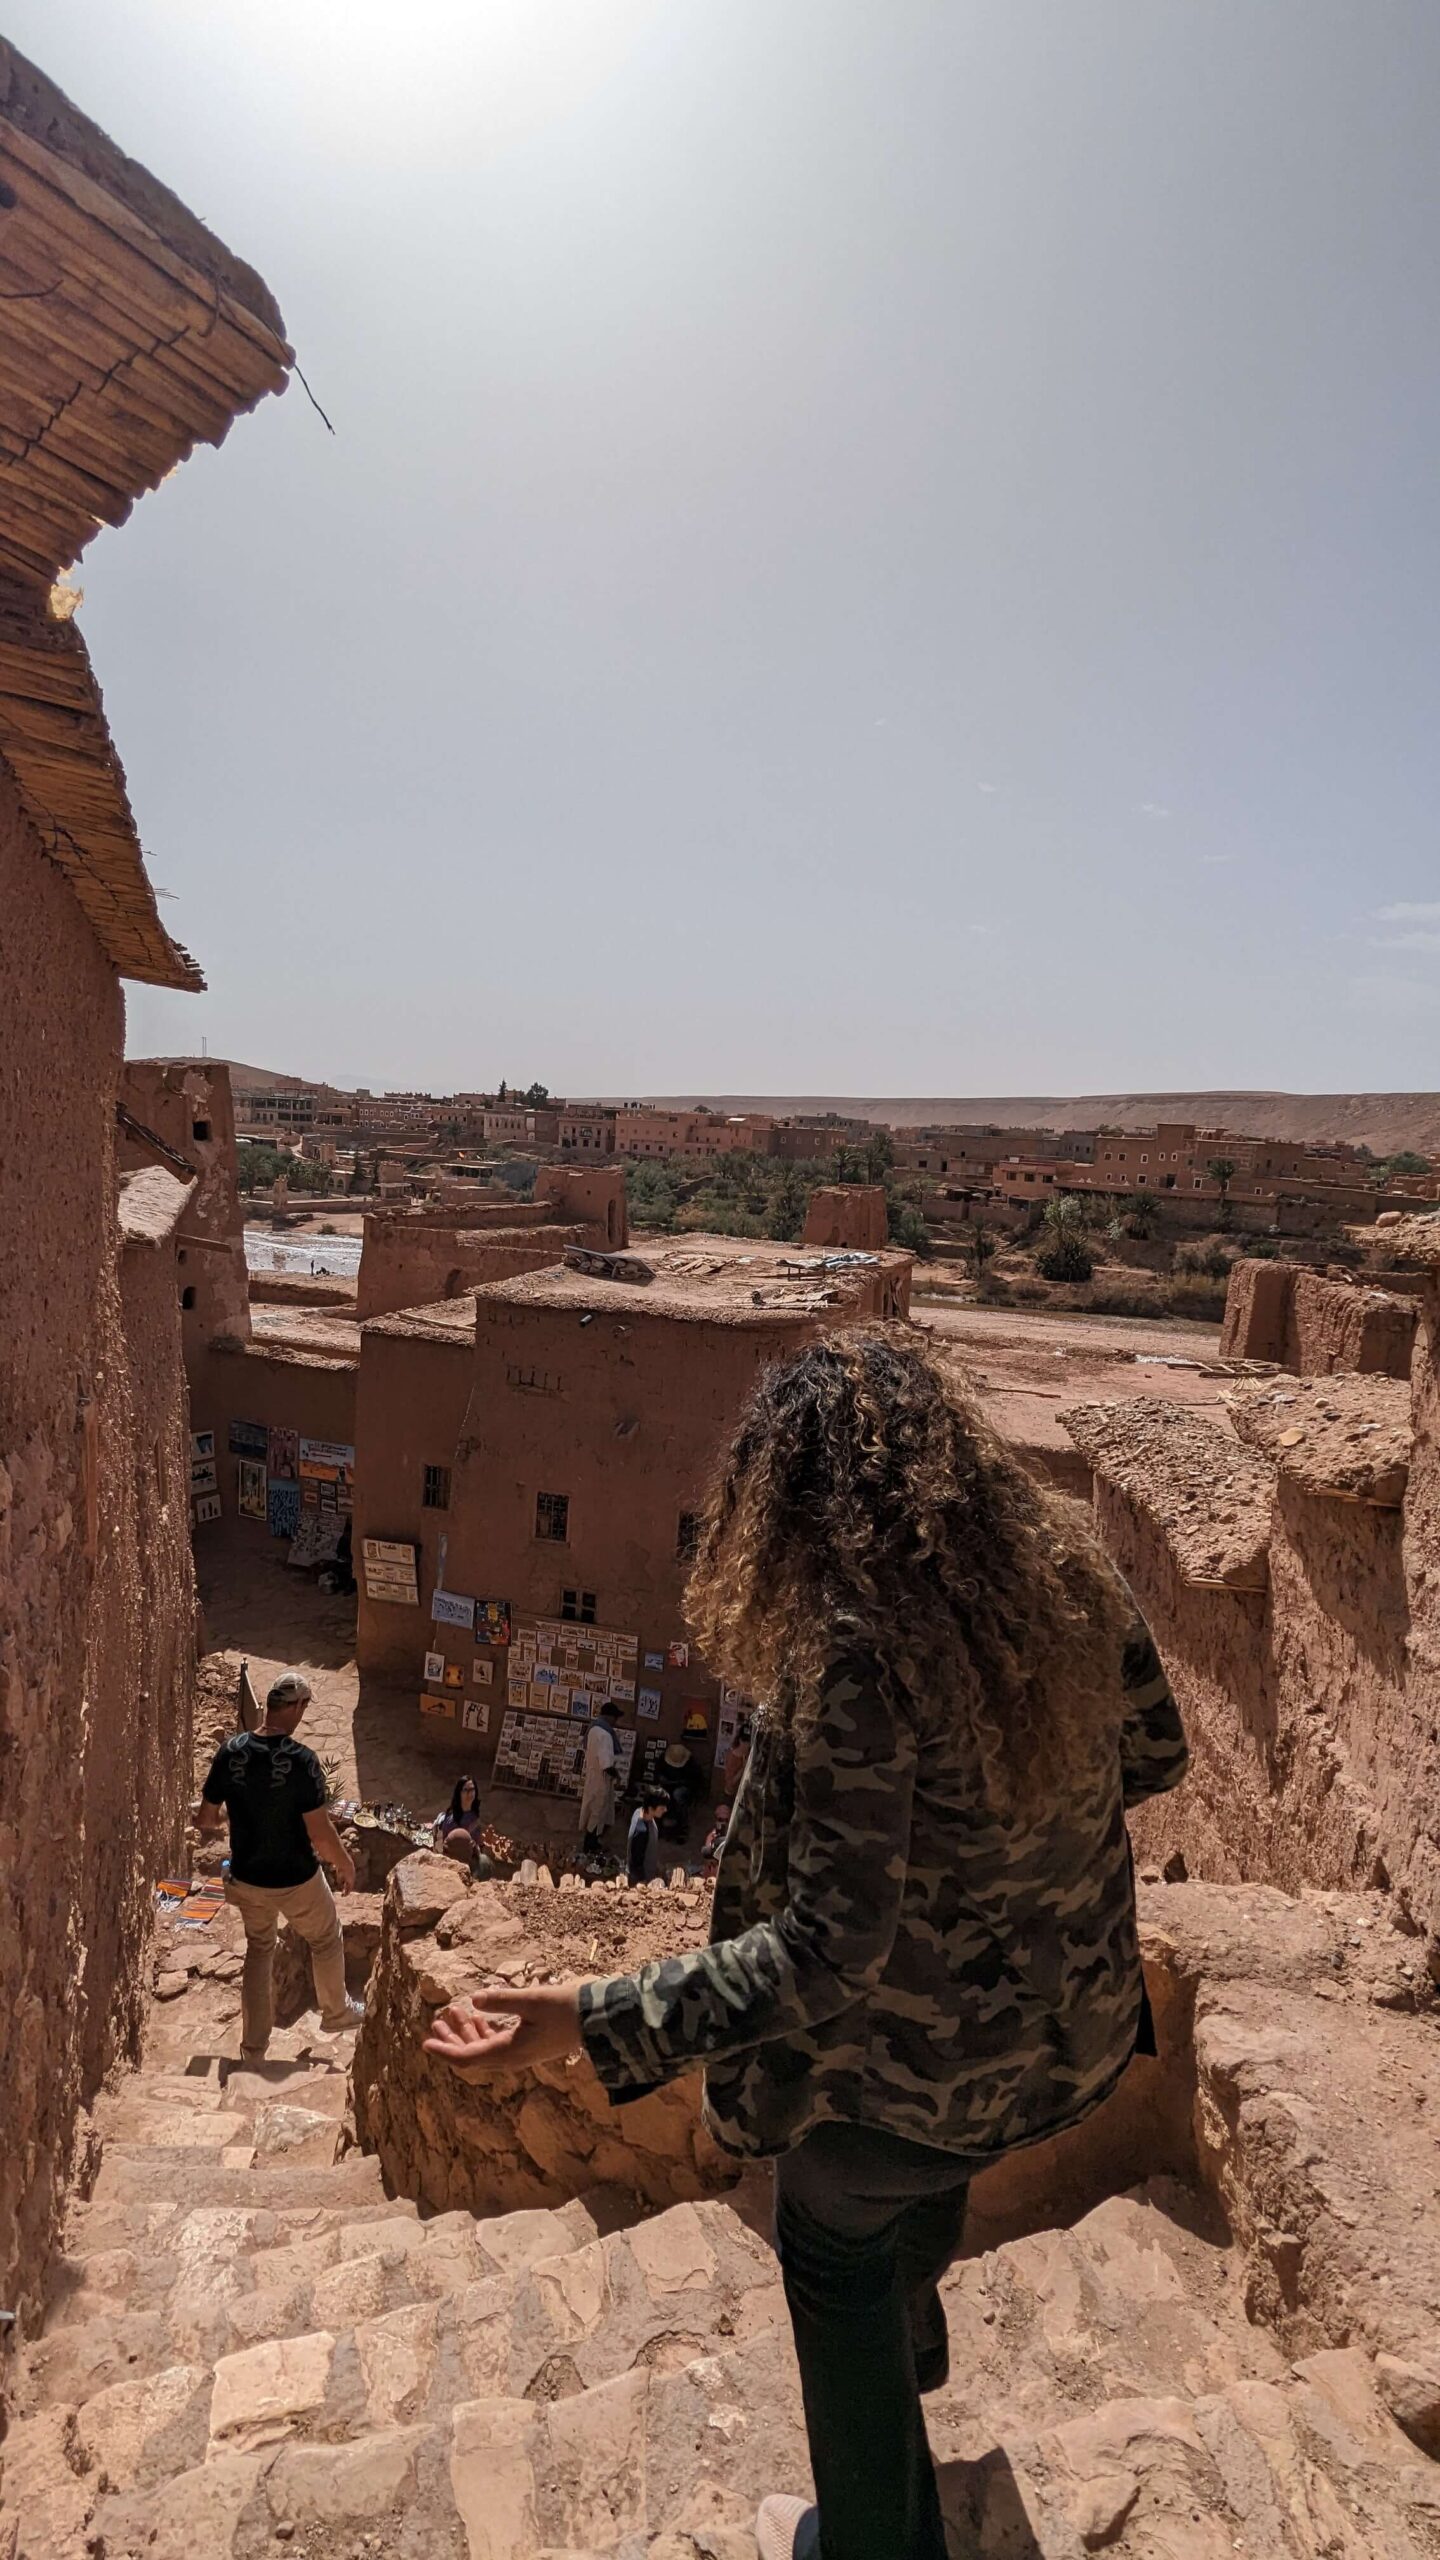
x: 96, y: 1608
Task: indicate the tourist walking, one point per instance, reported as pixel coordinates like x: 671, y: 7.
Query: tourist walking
x: 273, y: 1790
x: 597, y: 1787
x: 924, y: 1949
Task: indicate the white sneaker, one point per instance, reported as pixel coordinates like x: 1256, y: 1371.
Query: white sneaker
x: 787, y: 2529
x: 354, y: 2017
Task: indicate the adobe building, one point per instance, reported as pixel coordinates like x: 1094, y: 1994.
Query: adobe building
x: 851, y: 1217
x: 185, y: 1104
x: 413, y: 1258
x: 131, y: 335
x: 528, y: 1468
x: 587, y: 1131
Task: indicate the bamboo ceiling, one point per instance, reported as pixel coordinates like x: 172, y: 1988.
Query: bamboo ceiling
x: 128, y: 335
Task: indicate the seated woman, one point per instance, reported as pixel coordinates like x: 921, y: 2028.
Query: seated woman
x: 458, y: 1828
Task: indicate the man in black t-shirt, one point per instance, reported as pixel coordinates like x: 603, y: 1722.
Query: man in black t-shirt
x: 273, y: 1790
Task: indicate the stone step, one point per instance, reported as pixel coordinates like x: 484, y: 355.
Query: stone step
x: 139, y: 2173
x: 153, y: 2124
x: 317, y: 2085
x: 1128, y: 2301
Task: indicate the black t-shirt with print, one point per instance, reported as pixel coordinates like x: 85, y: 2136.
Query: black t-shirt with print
x: 267, y: 1783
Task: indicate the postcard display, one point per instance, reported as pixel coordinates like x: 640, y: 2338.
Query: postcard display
x: 560, y: 1670
x: 204, y: 1483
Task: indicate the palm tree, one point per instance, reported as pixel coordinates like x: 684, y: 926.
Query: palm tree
x: 1066, y: 1255
x: 1223, y: 1169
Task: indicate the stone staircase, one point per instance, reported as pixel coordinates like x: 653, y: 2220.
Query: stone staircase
x: 250, y: 2349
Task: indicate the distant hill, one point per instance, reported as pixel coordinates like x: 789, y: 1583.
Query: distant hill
x: 1385, y: 1122
x: 245, y: 1079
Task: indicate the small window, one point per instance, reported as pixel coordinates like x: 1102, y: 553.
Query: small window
x: 187, y: 1297
x: 435, y: 1493
x: 200, y: 1131
x: 552, y: 1516
x: 579, y: 1607
x: 687, y: 1537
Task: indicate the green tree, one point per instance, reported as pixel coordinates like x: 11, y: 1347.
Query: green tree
x: 984, y: 1247
x: 1065, y: 1254
x: 787, y: 1207
x: 535, y: 1094
x: 1223, y: 1169
x: 1405, y: 1161
x: 908, y: 1228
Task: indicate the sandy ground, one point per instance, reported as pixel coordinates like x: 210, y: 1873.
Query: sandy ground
x: 1029, y: 1367
x: 258, y: 1611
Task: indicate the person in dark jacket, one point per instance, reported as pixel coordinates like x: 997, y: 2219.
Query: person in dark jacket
x: 642, y: 1846
x: 924, y: 1950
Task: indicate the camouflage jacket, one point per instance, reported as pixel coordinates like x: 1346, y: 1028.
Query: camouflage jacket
x: 885, y: 1951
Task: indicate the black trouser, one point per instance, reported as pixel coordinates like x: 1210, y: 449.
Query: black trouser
x: 867, y: 2224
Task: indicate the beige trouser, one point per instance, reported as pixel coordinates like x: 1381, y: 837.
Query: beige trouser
x: 310, y: 1910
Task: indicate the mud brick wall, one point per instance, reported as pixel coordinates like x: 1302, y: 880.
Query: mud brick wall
x: 1315, y: 1325
x: 96, y: 1595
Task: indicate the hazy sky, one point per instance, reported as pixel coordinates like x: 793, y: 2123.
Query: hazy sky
x: 869, y: 545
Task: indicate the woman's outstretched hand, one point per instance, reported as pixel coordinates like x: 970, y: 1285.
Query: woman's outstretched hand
x: 505, y: 2030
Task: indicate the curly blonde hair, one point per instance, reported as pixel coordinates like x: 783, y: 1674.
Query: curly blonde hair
x: 865, y: 1503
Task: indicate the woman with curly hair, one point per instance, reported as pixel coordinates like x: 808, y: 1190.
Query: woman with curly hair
x: 924, y: 1951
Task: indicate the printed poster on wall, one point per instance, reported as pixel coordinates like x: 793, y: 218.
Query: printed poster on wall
x: 434, y: 1669
x: 250, y: 1488
x: 202, y: 1445
x: 325, y: 1457
x: 207, y: 1507
x: 492, y: 1621
x: 248, y: 1439
x: 475, y: 1715
x: 482, y: 1672
x: 203, y: 1478
x: 390, y: 1571
x: 282, y: 1509
x: 282, y: 1457
x: 450, y: 1609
